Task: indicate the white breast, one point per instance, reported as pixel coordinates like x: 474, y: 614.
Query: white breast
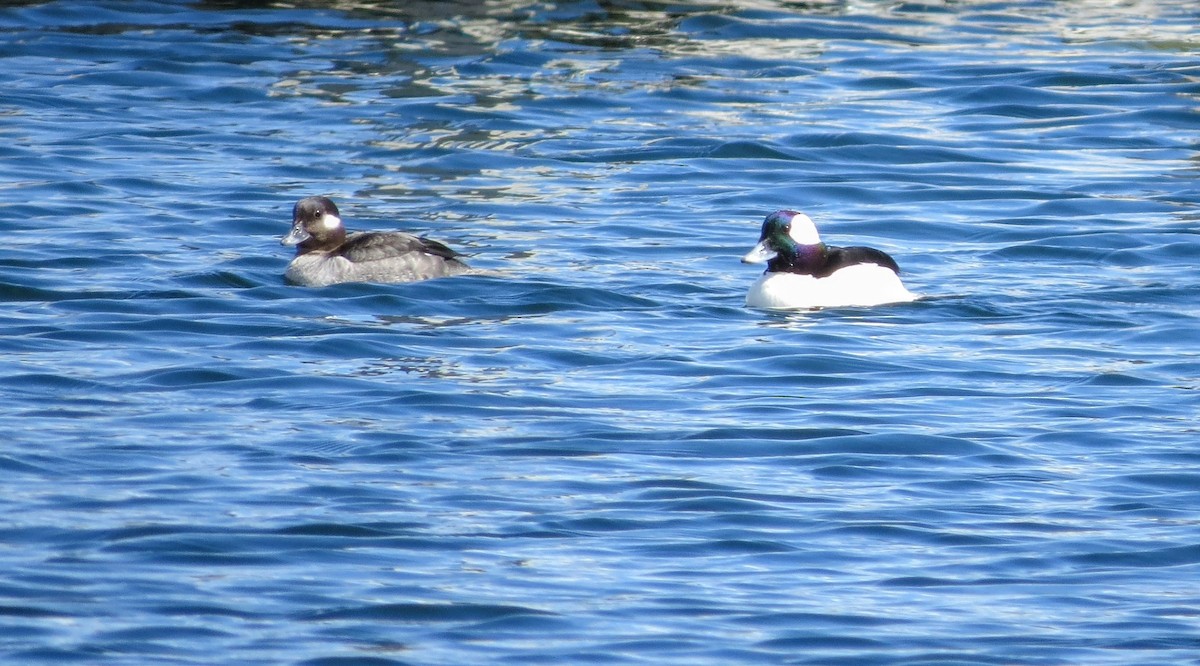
x: 858, y: 285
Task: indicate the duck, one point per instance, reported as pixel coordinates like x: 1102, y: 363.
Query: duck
x: 326, y: 254
x: 805, y: 273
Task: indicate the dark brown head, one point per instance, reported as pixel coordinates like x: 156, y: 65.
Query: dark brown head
x: 316, y: 225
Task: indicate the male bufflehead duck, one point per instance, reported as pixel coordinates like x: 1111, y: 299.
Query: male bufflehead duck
x: 325, y: 255
x: 803, y: 272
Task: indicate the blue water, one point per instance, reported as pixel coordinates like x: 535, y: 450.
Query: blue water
x: 592, y: 452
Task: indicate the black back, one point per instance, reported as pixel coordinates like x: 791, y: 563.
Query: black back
x: 841, y: 257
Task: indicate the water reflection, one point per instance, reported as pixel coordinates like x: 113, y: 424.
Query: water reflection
x: 422, y: 367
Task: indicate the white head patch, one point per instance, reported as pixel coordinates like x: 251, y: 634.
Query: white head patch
x: 803, y: 230
x: 331, y: 221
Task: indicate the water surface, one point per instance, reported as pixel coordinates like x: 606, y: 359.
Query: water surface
x: 592, y: 452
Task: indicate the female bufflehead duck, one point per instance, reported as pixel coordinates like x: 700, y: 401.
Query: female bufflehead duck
x: 325, y: 255
x: 803, y: 272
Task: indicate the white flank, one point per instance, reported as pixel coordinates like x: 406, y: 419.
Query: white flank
x: 858, y: 285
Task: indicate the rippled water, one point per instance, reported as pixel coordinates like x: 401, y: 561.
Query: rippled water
x: 594, y: 453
